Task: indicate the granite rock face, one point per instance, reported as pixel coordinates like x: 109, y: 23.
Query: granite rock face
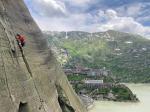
x: 32, y: 82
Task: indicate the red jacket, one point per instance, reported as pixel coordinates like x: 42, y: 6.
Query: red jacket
x: 21, y: 38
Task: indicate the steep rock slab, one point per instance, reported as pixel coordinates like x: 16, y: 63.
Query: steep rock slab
x: 28, y: 83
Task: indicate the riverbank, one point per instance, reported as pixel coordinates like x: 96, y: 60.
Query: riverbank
x: 115, y: 92
x: 142, y: 92
x: 88, y: 101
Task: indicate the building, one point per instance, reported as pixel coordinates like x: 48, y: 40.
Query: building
x: 97, y: 84
x: 88, y: 71
x: 93, y: 83
x: 98, y: 72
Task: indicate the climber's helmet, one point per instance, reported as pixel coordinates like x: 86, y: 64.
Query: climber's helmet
x: 18, y: 34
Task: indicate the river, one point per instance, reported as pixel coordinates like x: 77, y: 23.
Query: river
x: 141, y: 90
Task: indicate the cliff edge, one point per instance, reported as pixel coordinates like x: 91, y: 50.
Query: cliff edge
x: 32, y: 81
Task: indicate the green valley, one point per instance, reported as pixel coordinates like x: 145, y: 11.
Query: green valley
x: 126, y: 55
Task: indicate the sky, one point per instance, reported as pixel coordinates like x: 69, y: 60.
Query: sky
x: 131, y: 16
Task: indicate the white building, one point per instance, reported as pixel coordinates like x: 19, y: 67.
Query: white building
x: 93, y: 81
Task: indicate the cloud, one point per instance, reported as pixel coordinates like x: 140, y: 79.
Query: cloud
x: 47, y: 7
x: 134, y: 9
x: 111, y: 13
x: 130, y: 10
x: 126, y: 24
x: 79, y: 2
x: 90, y: 15
x: 144, y: 20
x: 72, y: 22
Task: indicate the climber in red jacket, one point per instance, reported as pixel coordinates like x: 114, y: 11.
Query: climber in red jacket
x: 21, y: 40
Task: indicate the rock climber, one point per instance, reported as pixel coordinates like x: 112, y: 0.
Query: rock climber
x: 21, y: 40
x: 21, y: 43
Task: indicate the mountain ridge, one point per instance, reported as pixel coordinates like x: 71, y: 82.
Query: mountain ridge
x: 128, y: 33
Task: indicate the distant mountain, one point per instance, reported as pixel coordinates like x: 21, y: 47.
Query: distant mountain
x: 126, y: 55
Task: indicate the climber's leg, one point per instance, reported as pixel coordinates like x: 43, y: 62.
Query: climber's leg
x: 23, y: 44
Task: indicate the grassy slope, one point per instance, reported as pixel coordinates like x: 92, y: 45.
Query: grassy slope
x: 130, y: 63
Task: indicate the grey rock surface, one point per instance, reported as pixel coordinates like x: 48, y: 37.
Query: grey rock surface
x: 29, y: 84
